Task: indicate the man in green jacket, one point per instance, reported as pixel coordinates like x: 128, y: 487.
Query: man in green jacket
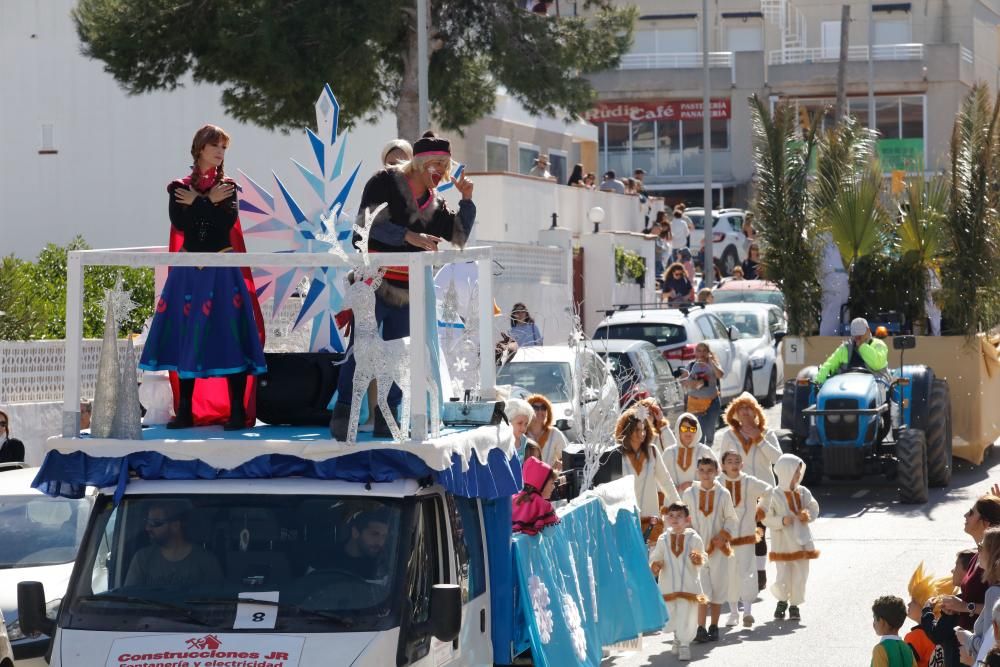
x: 861, y: 351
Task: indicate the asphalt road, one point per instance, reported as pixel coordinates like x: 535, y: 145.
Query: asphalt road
x: 870, y: 544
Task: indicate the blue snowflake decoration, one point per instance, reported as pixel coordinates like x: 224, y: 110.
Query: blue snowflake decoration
x: 315, y: 223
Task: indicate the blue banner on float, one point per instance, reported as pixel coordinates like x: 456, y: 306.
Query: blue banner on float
x: 584, y: 584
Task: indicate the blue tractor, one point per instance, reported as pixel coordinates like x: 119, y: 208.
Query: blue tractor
x: 897, y: 424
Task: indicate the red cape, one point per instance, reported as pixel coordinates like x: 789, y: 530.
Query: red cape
x: 211, y: 395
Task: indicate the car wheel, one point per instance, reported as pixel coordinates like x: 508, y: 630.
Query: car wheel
x: 748, y: 382
x: 730, y: 258
x: 772, y: 389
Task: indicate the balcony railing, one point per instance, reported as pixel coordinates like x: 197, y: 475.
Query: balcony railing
x: 675, y: 60
x: 800, y: 55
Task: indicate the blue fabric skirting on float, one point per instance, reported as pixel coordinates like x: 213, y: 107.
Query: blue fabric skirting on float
x: 204, y: 325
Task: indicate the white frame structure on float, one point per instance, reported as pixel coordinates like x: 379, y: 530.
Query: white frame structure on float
x: 416, y: 261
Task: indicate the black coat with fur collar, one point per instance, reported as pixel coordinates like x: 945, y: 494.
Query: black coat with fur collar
x: 403, y: 214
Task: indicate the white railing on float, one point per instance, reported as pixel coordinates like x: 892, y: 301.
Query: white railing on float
x: 800, y: 55
x: 415, y: 261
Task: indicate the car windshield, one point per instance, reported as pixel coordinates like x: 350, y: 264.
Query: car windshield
x: 38, y: 530
x: 167, y: 563
x: 552, y: 379
x: 621, y: 367
x: 657, y: 333
x: 771, y: 297
x: 698, y: 220
x: 749, y: 324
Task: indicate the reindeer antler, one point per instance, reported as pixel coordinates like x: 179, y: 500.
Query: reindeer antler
x: 364, y: 231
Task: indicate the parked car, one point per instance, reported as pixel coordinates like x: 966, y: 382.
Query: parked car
x: 749, y: 291
x: 641, y: 371
x: 575, y: 387
x: 41, y: 536
x: 730, y: 244
x: 761, y: 328
x: 675, y: 332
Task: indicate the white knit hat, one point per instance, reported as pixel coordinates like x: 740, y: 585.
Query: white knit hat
x: 859, y: 326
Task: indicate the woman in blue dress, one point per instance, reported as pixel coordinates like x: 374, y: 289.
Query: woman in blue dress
x: 205, y: 324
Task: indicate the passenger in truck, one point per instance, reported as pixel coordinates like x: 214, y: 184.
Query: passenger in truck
x: 171, y: 561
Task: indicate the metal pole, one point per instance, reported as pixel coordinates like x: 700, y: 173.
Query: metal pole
x: 74, y: 345
x: 423, y: 63
x: 871, y: 67
x: 708, y: 264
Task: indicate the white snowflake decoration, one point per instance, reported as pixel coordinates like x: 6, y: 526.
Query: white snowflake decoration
x: 575, y: 627
x: 540, y: 601
x: 317, y: 226
x: 461, y: 364
x: 593, y: 588
x: 642, y: 412
x: 118, y: 301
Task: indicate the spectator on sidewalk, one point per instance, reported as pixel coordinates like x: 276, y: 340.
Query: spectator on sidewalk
x: 677, y: 288
x: 395, y: 152
x: 680, y: 229
x: 523, y: 329
x: 541, y: 168
x: 11, y: 449
x: 612, y: 184
x: 984, y: 514
x: 702, y: 384
x: 576, y: 178
x: 590, y: 180
x: 751, y: 263
x: 540, y: 429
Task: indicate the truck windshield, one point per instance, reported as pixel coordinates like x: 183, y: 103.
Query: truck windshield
x: 310, y: 563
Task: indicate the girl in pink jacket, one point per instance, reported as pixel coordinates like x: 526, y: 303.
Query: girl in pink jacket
x: 532, y: 510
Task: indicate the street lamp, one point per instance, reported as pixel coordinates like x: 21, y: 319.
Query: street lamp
x: 596, y: 216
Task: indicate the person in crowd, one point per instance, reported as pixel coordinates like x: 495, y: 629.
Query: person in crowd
x: 396, y: 152
x: 416, y: 219
x: 207, y: 322
x: 171, y: 561
x: 681, y: 459
x: 675, y: 561
x: 611, y: 183
x: 983, y: 515
x: 532, y: 511
x: 576, y: 177
x: 862, y: 351
x: 716, y: 522
x: 541, y: 168
x: 686, y: 259
x: 364, y: 552
x: 548, y: 437
x: 789, y: 509
x: 751, y: 263
x: 748, y: 229
x: 702, y: 385
x: 705, y: 296
x: 639, y: 178
x: 680, y: 229
x: 677, y: 288
x: 889, y: 614
x: 746, y: 490
x: 924, y: 589
x: 86, y: 412
x: 737, y: 273
x: 641, y: 459
x: 758, y: 446
x: 519, y: 413
x: 523, y: 329
x: 11, y: 449
x: 663, y: 437
x: 629, y: 186
x: 590, y: 180
x: 940, y: 627
x: 716, y: 276
x: 982, y: 630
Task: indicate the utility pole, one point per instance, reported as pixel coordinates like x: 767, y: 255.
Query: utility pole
x: 845, y: 23
x: 423, y: 63
x: 708, y: 264
x: 871, y: 67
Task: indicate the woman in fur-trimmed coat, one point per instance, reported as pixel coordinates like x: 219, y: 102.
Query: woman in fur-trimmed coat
x: 415, y: 219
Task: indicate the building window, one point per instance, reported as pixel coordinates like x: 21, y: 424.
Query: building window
x: 887, y: 117
x: 830, y: 39
x: 557, y: 166
x: 892, y: 31
x: 670, y: 40
x: 526, y: 156
x: 616, y: 149
x: 644, y: 146
x: 911, y: 118
x: 744, y: 38
x: 497, y: 155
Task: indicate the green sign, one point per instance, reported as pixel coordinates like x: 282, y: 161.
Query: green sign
x: 902, y: 154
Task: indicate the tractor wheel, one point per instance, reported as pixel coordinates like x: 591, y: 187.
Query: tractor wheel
x: 786, y: 441
x: 939, y: 435
x: 911, y: 466
x: 772, y: 390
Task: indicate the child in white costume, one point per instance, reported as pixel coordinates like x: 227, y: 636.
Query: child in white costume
x: 745, y: 490
x: 675, y: 561
x: 642, y: 459
x: 682, y: 459
x: 714, y: 519
x: 790, y: 509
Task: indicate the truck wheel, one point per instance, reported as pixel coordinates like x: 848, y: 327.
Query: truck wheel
x: 911, y: 466
x: 939, y: 435
x: 772, y: 389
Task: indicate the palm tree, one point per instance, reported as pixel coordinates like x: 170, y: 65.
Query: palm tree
x: 920, y: 234
x: 781, y: 206
x: 971, y: 289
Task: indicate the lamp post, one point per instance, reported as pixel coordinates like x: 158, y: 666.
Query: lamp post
x: 596, y: 216
x: 708, y: 258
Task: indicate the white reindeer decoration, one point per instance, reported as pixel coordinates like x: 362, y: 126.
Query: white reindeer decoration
x: 384, y: 361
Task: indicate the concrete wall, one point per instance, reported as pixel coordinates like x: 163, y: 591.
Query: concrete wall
x: 601, y: 287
